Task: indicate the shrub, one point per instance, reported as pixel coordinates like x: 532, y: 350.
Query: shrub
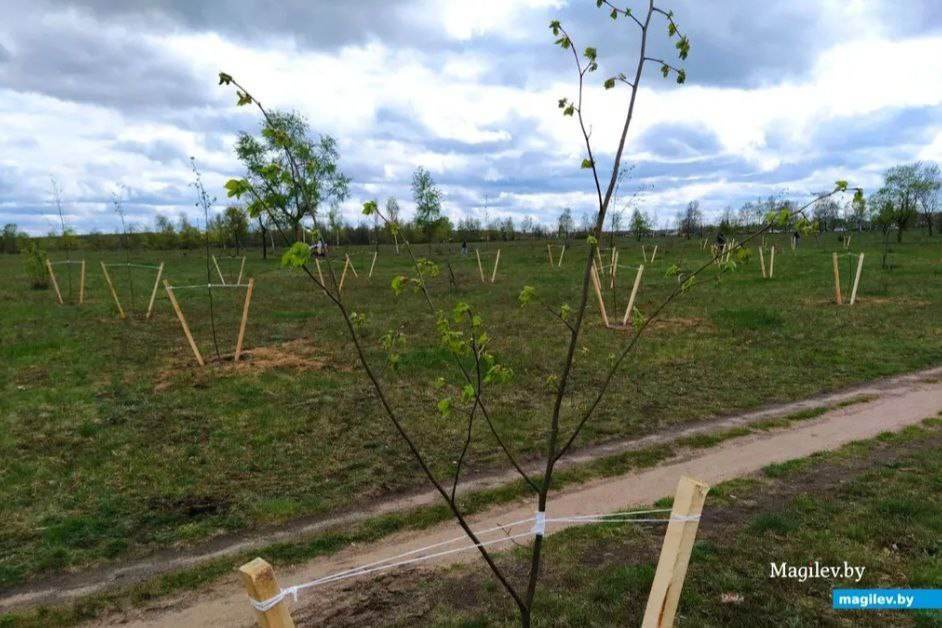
x: 34, y: 262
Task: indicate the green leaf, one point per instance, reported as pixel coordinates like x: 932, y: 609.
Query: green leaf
x: 237, y: 187
x: 398, y: 284
x: 591, y: 53
x: 444, y: 407
x: 609, y: 83
x: 224, y: 79
x: 613, y: 14
x: 370, y: 208
x: 591, y: 240
x: 681, y: 76
x: 841, y: 185
x: 527, y: 294
x: 563, y: 102
x: 468, y: 393
x: 568, y: 111
x: 296, y: 256
x: 586, y: 163
x: 665, y: 70
x: 244, y: 98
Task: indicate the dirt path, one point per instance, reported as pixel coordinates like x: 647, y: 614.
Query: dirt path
x: 896, y: 404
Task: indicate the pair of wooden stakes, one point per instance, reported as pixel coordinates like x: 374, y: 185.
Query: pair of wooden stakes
x: 597, y: 287
x: 837, y: 277
x: 496, y: 262
x: 347, y: 265
x: 258, y: 576
x: 55, y: 283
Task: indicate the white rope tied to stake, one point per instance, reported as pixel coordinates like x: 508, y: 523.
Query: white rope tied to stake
x: 538, y: 529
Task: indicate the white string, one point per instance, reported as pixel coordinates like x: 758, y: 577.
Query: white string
x: 134, y: 265
x: 211, y: 285
x: 73, y: 261
x: 392, y: 562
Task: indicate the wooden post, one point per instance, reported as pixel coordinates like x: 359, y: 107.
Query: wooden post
x: 241, y: 269
x: 82, y: 284
x: 634, y: 293
x: 114, y: 294
x: 613, y: 261
x: 480, y: 268
x: 853, y: 293
x: 352, y: 267
x: 598, y: 258
x: 55, y: 284
x: 373, y: 264
x: 343, y: 275
x: 644, y: 254
x: 222, y: 279
x: 186, y: 328
x: 153, y: 293
x: 496, y: 262
x: 675, y: 554
x: 596, y: 283
x: 614, y: 270
x: 549, y: 252
x: 561, y: 253
x: 245, y: 318
x: 762, y: 262
x: 653, y: 254
x: 772, y: 263
x: 396, y: 238
x: 259, y: 581
x: 837, y: 280
x: 320, y: 275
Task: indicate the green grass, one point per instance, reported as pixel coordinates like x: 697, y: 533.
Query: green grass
x: 874, y: 503
x: 115, y: 445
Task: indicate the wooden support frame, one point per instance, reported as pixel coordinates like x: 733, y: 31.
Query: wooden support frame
x: 853, y: 293
x: 241, y: 270
x: 343, y: 275
x: 644, y: 253
x: 762, y: 263
x: 373, y: 264
x: 672, y: 565
x: 183, y: 324
x: 480, y: 268
x: 55, y: 284
x: 114, y: 295
x: 260, y: 583
x: 549, y: 253
x: 352, y: 267
x: 222, y: 279
x: 496, y: 263
x: 561, y: 253
x: 634, y: 293
x: 653, y: 254
x: 245, y: 319
x: 614, y: 270
x: 153, y: 293
x: 837, y: 280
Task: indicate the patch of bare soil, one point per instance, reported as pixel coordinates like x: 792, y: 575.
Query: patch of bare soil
x: 298, y: 355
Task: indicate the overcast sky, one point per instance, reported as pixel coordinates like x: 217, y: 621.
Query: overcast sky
x: 114, y: 96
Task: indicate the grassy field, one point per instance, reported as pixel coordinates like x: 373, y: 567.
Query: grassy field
x: 115, y: 444
x: 875, y: 503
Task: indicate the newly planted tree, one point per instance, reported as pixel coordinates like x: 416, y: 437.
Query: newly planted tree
x: 464, y: 391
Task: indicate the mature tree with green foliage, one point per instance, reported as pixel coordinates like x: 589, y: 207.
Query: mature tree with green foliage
x: 565, y: 225
x: 640, y: 224
x: 690, y: 221
x: 290, y: 173
x: 8, y: 241
x: 428, y: 204
x: 904, y: 186
x: 236, y: 226
x: 928, y: 183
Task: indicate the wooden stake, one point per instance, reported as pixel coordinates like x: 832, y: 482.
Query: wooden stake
x: 55, y: 284
x: 634, y: 293
x: 561, y: 253
x: 772, y: 263
x: 598, y: 258
x: 837, y: 280
x: 219, y: 272
x: 597, y: 284
x: 549, y: 252
x: 396, y: 238
x: 614, y: 270
x: 675, y: 554
x: 114, y: 294
x: 373, y: 264
x: 762, y: 262
x: 343, y: 275
x: 496, y: 262
x: 853, y: 293
x: 186, y: 328
x: 320, y: 275
x: 480, y: 268
x: 644, y: 254
x: 352, y: 267
x: 259, y: 581
x: 653, y: 254
x: 245, y: 318
x: 82, y: 284
x: 241, y: 269
x: 153, y: 293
